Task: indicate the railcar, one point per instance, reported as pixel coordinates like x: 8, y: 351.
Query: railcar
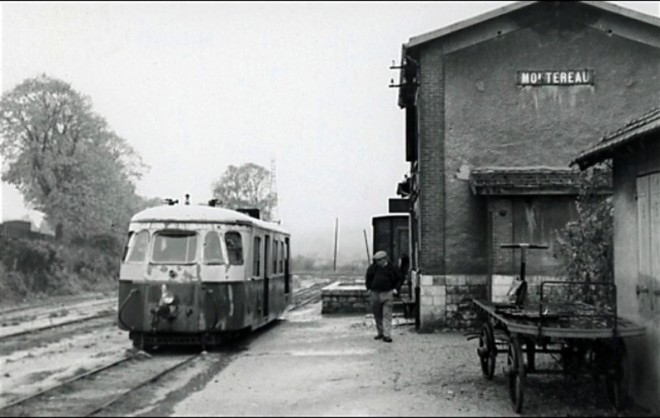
x: 196, y: 275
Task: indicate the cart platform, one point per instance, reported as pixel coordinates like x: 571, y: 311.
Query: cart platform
x: 568, y: 320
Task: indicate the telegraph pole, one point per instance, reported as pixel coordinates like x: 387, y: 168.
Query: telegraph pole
x: 336, y: 233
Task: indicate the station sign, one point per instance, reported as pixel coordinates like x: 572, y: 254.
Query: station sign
x: 555, y: 78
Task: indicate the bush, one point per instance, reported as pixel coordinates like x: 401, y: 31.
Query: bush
x: 586, y: 244
x: 33, y: 267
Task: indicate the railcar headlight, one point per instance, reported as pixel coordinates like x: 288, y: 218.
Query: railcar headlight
x: 166, y: 297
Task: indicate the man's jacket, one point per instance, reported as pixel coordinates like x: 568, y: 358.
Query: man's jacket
x: 382, y: 278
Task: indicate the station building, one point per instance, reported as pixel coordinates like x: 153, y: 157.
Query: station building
x: 496, y: 107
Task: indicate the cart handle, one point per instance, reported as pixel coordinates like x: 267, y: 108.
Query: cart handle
x: 524, y: 246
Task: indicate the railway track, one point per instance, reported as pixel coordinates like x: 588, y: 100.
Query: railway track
x: 93, y: 391
x: 48, y: 319
x: 308, y: 295
x: 14, y: 321
x: 19, y: 325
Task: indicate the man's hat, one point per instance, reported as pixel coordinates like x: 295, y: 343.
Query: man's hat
x: 379, y: 255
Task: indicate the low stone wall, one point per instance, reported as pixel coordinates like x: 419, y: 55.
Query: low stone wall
x: 345, y: 296
x: 446, y: 301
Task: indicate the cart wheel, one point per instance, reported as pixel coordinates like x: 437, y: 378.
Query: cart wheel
x: 516, y: 370
x: 487, y: 350
x: 616, y: 377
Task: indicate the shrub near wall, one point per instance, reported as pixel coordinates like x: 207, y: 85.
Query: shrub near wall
x: 34, y: 267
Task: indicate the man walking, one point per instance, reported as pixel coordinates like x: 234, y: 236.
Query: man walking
x: 382, y: 279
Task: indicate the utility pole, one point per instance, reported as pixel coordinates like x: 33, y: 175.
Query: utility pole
x: 366, y: 244
x: 336, y: 233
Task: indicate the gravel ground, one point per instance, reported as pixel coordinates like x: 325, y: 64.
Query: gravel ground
x: 311, y: 364
x: 314, y: 365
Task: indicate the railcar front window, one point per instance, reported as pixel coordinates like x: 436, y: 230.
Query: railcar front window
x: 234, y: 244
x: 179, y: 247
x: 213, y: 249
x: 137, y: 247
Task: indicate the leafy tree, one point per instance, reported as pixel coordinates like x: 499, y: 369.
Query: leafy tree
x: 586, y: 243
x: 65, y: 159
x: 247, y: 186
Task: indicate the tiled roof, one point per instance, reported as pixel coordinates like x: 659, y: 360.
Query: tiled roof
x: 523, y: 180
x: 632, y: 131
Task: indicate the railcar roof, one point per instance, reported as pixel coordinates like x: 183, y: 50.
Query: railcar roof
x: 201, y: 214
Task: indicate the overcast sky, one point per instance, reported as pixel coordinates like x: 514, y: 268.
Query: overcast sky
x: 195, y: 87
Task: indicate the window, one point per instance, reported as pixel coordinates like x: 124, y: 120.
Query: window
x: 275, y: 256
x: 256, y: 257
x: 126, y: 243
x: 174, y: 247
x: 281, y: 257
x: 213, y: 249
x: 137, y: 247
x: 234, y: 244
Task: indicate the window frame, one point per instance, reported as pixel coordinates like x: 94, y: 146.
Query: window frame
x: 220, y: 245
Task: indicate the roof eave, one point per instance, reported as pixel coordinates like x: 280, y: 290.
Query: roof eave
x: 605, y: 150
x: 416, y: 41
x: 436, y: 34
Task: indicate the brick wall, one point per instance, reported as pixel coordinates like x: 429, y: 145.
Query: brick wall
x: 502, y: 232
x: 431, y: 163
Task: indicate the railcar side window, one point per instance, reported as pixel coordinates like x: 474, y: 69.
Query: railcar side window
x: 234, y: 244
x: 256, y: 258
x: 137, y: 247
x: 213, y: 249
x: 174, y: 247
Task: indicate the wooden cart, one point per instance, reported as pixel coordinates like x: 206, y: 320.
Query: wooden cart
x: 585, y: 337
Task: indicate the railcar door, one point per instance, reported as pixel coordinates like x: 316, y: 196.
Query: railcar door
x: 266, y: 284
